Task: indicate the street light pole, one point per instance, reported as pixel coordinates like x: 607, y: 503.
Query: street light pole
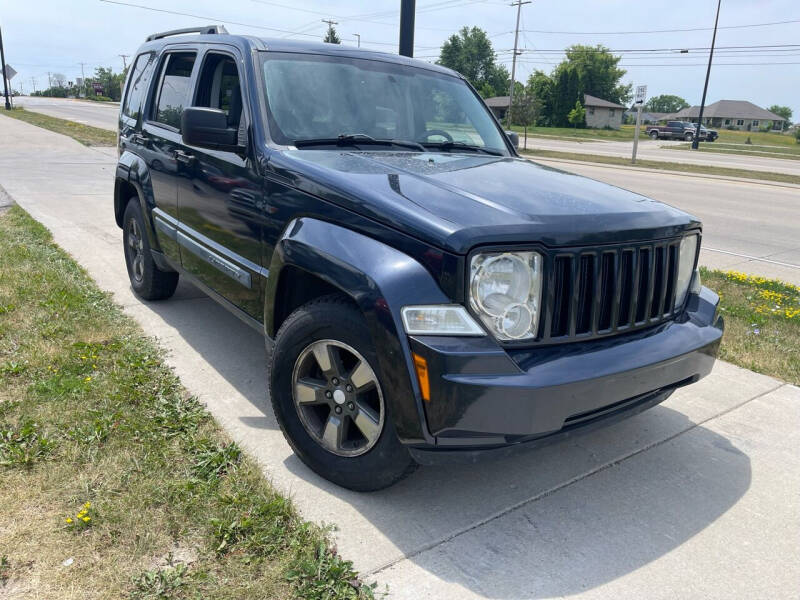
x: 3, y: 63
x: 696, y: 139
x: 407, y: 13
x: 358, y: 35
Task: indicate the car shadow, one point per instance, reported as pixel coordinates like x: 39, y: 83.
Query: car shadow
x: 554, y: 521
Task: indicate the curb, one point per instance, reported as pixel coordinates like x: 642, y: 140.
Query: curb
x: 535, y: 158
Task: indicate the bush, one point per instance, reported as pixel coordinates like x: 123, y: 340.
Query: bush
x: 748, y: 140
x: 99, y: 98
x: 797, y: 135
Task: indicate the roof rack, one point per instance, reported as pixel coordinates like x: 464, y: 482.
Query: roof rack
x: 205, y: 30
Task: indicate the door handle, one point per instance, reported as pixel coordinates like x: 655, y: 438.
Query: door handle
x: 138, y: 138
x: 184, y: 157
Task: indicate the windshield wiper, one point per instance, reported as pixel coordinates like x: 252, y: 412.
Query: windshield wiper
x: 359, y: 139
x: 449, y: 145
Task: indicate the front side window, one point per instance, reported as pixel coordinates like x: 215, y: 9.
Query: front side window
x: 314, y: 97
x: 137, y: 85
x: 173, y: 93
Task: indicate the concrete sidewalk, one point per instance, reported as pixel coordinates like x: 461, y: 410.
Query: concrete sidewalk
x: 699, y: 497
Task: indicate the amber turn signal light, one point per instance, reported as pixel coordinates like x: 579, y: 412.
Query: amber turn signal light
x: 421, y: 366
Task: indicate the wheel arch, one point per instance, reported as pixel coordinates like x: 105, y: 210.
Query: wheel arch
x: 378, y: 279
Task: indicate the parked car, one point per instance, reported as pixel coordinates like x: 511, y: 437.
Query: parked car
x: 681, y: 130
x: 426, y: 294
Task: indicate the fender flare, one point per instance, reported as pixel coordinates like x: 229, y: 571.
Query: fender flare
x: 132, y: 169
x: 380, y: 280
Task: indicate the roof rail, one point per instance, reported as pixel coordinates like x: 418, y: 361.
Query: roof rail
x: 205, y: 30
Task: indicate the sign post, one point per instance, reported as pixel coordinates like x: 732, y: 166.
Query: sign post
x: 4, y: 73
x: 641, y: 94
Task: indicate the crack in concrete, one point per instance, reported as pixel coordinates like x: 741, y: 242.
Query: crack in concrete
x: 563, y: 485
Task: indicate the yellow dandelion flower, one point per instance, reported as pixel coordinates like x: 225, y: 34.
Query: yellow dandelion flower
x: 87, y: 519
x: 87, y: 505
x: 69, y: 520
x: 87, y: 378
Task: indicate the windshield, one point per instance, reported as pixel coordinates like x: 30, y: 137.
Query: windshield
x: 319, y: 99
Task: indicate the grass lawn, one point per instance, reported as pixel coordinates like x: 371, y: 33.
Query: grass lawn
x: 668, y: 166
x: 787, y: 152
x: 85, y: 134
x: 762, y: 323
x: 115, y: 482
x: 624, y: 134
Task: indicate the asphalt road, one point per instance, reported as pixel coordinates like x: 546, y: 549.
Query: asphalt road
x: 652, y: 150
x: 747, y: 226
x: 699, y: 497
x: 97, y: 114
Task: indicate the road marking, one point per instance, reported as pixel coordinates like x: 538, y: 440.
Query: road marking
x: 766, y: 260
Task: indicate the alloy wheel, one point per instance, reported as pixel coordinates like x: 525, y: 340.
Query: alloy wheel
x: 136, y: 249
x: 338, y: 398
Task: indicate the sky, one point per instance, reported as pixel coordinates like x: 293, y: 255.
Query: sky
x: 55, y: 36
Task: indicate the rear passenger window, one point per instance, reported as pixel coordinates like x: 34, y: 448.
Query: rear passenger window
x: 173, y: 94
x: 137, y: 85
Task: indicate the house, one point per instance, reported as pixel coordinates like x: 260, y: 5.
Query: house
x: 648, y: 118
x: 498, y: 105
x: 731, y: 114
x: 602, y: 113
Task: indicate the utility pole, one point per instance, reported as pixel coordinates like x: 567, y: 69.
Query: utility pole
x: 408, y: 11
x: 3, y: 65
x: 49, y: 80
x: 518, y: 4
x: 358, y: 35
x: 124, y: 60
x: 33, y: 83
x: 696, y: 139
x: 330, y: 24
x: 83, y: 80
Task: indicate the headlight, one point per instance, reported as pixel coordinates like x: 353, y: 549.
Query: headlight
x: 439, y: 319
x: 505, y: 292
x: 688, y: 252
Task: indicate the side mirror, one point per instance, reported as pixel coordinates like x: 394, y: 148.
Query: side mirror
x: 513, y: 137
x: 208, y: 128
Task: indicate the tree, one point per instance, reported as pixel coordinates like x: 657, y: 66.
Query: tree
x: 470, y: 53
x: 586, y: 70
x: 577, y: 115
x: 666, y: 103
x: 111, y: 82
x: 525, y: 110
x: 331, y: 37
x: 59, y: 80
x: 782, y: 111
x: 598, y: 72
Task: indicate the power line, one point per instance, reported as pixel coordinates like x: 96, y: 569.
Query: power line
x: 660, y: 30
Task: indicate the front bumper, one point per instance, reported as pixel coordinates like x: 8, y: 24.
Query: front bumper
x: 485, y: 399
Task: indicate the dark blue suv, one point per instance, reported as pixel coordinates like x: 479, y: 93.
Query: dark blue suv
x: 426, y: 294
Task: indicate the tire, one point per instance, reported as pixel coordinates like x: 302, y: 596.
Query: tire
x: 305, y: 397
x: 147, y: 280
x: 688, y: 137
x: 654, y: 135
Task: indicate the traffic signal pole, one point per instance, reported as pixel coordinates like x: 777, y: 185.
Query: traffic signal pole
x: 407, y: 10
x: 3, y: 63
x: 696, y: 139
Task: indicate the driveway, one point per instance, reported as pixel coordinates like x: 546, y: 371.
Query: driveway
x: 699, y: 497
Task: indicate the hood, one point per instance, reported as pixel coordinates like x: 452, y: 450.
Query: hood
x: 457, y: 201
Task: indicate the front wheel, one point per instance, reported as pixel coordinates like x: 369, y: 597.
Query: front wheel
x: 689, y: 137
x: 654, y: 135
x: 329, y: 400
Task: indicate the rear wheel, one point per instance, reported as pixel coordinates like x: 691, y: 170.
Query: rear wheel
x: 147, y: 280
x: 328, y: 397
x: 688, y: 137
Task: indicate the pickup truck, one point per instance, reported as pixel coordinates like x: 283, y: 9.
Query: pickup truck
x: 426, y: 294
x: 681, y: 130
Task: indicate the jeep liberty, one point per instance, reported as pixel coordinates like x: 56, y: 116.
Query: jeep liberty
x: 426, y: 294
